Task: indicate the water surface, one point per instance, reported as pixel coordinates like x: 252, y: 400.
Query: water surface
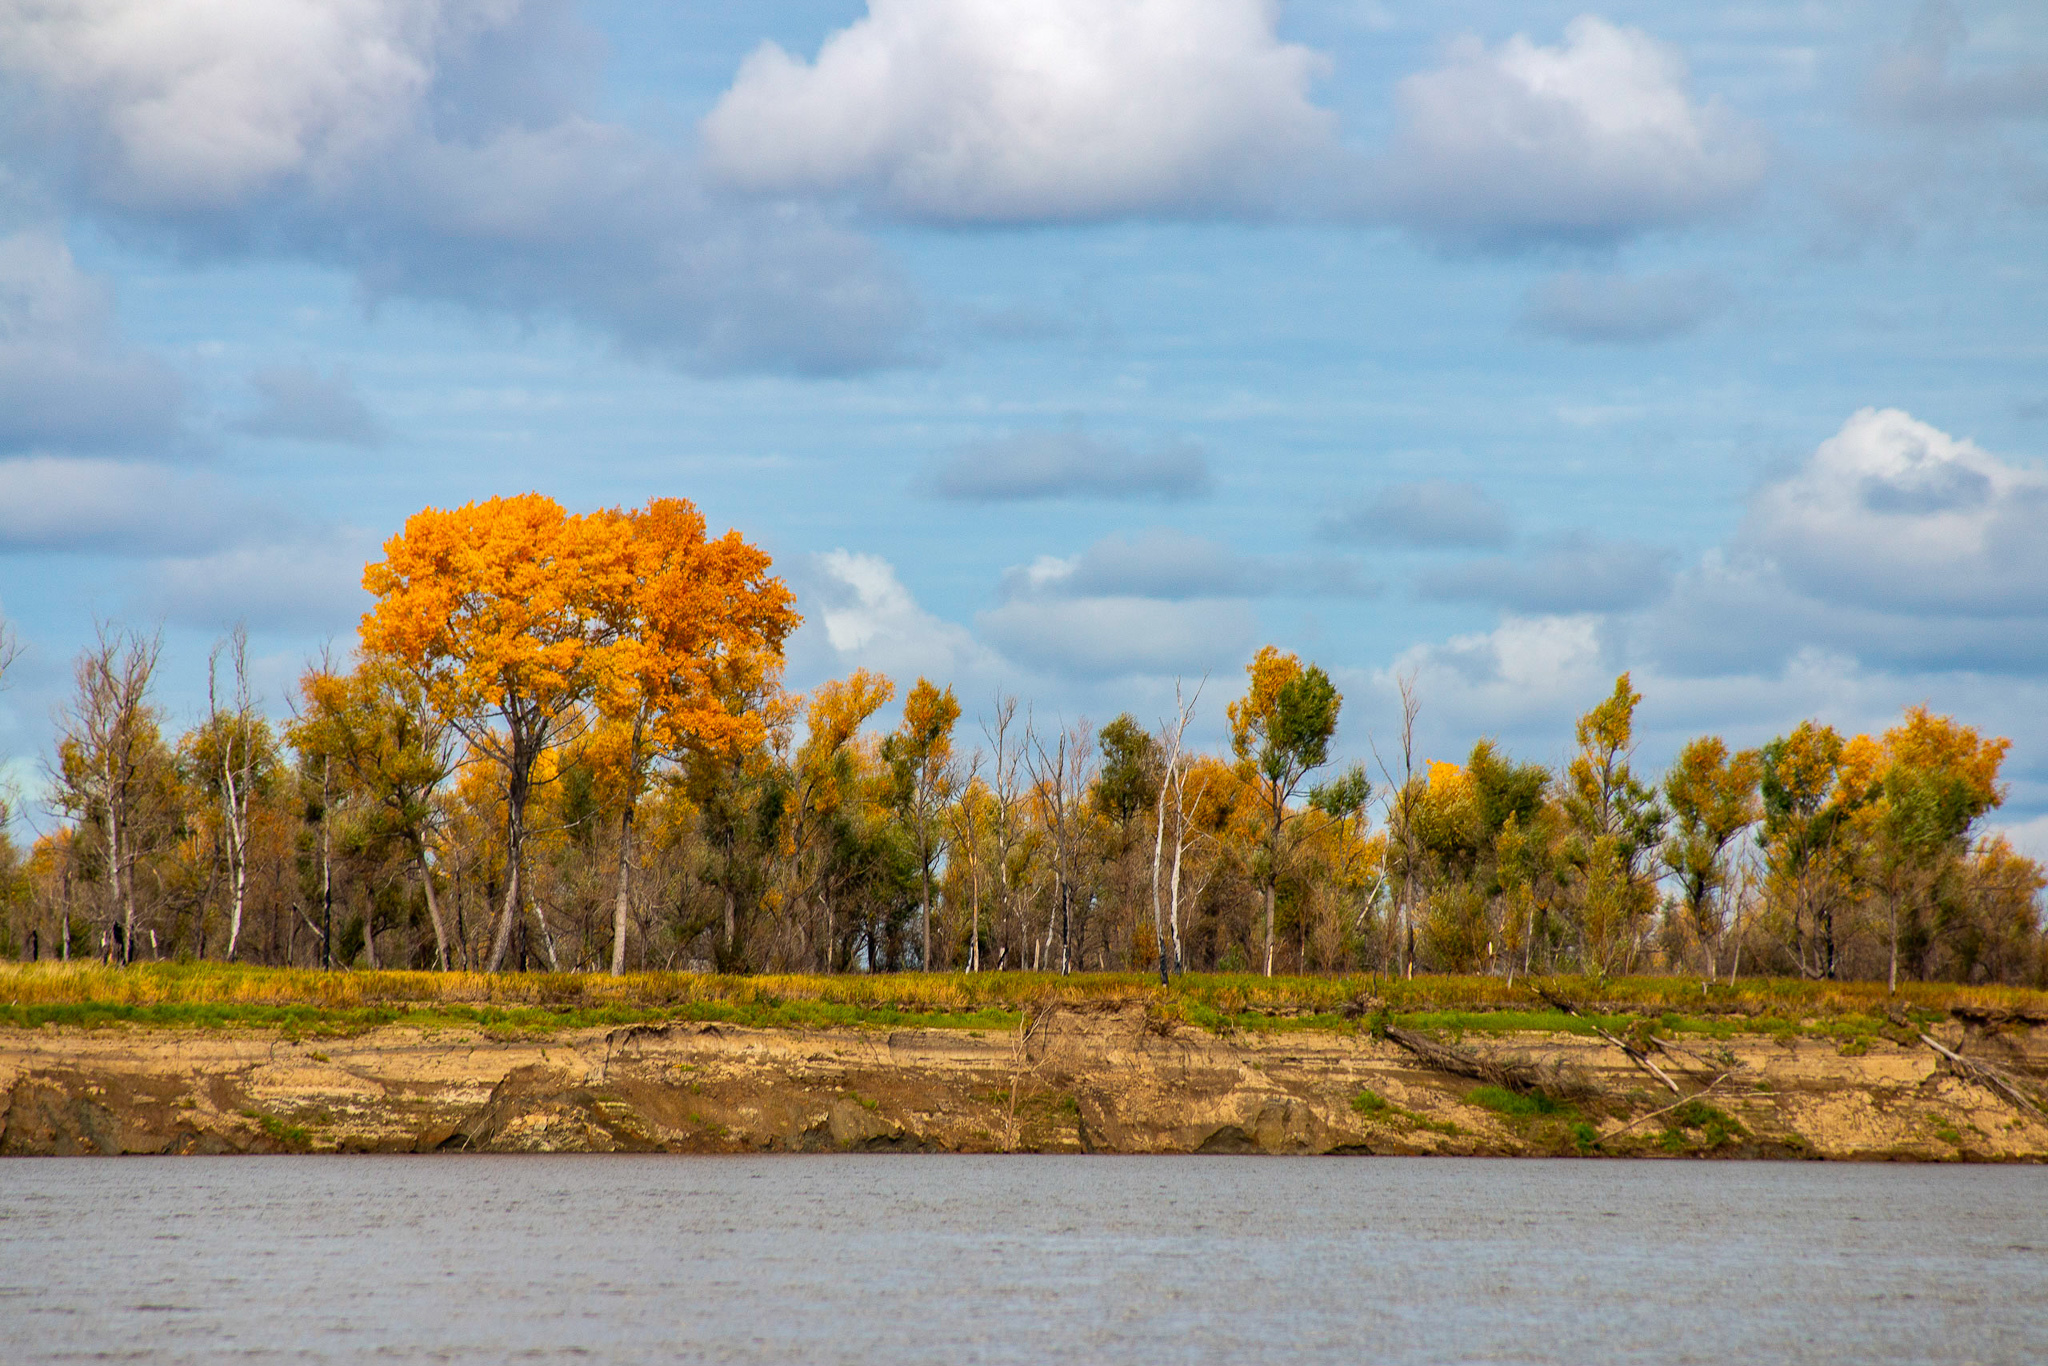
x: 1074, y: 1260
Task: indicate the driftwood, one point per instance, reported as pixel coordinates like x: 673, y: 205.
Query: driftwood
x: 1676, y: 1104
x: 1635, y: 1055
x: 1990, y: 1078
x: 1515, y: 1074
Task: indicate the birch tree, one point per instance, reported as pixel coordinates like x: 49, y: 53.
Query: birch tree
x: 107, y: 739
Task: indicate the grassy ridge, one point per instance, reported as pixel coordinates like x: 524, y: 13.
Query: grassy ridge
x: 303, y: 1000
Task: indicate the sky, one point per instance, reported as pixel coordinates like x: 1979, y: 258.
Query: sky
x: 1071, y: 348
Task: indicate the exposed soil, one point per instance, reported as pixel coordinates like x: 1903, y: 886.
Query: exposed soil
x: 1073, y: 1080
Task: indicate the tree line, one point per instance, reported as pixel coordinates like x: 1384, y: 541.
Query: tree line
x: 562, y: 742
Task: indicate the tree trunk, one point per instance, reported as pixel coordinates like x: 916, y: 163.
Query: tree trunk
x: 326, y: 872
x: 433, y: 906
x: 623, y: 900
x: 516, y: 790
x: 924, y: 876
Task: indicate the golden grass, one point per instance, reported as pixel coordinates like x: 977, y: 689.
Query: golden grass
x: 1205, y: 997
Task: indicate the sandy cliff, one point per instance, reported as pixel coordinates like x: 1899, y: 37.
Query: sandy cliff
x: 1102, y: 1080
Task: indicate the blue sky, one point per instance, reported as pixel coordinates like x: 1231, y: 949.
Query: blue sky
x: 1067, y: 348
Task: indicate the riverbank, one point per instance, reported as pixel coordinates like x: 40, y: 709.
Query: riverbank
x: 235, y: 1060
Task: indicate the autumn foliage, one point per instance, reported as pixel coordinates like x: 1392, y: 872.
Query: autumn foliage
x: 564, y: 742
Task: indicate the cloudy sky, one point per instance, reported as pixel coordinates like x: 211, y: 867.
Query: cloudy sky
x: 1072, y: 346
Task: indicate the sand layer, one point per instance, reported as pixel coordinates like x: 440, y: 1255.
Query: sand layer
x: 1106, y: 1080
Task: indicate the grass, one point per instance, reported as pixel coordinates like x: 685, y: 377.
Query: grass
x: 310, y: 1002
x: 1502, y: 1101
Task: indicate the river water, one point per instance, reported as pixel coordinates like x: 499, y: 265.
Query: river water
x: 1074, y: 1260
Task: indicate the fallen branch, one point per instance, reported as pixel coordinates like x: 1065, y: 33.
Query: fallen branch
x: 1517, y: 1076
x: 1990, y: 1078
x: 1674, y: 1105
x: 1635, y: 1055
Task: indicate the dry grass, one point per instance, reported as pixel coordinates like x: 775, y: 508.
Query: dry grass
x: 220, y: 993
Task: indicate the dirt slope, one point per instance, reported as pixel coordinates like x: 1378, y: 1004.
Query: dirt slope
x: 1105, y: 1080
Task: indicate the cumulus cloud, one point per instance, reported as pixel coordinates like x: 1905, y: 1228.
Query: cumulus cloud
x: 1573, y: 574
x: 418, y: 143
x: 1043, y: 465
x: 1583, y: 307
x: 987, y: 111
x: 858, y: 612
x: 111, y: 507
x: 1893, y: 513
x: 1592, y: 140
x: 1428, y: 514
x: 67, y: 382
x: 298, y: 403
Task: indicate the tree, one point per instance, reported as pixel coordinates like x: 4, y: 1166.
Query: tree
x: 1059, y: 784
x: 693, y: 651
x: 920, y: 759
x: 1939, y: 777
x: 1617, y: 823
x: 823, y: 781
x: 1281, y: 729
x: 1809, y: 797
x: 234, y: 765
x: 108, y: 744
x: 1173, y: 777
x: 1713, y: 799
x: 505, y: 611
x: 374, y: 725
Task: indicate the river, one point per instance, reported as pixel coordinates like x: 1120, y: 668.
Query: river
x: 1075, y: 1260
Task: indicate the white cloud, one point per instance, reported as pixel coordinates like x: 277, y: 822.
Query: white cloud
x: 992, y: 111
x: 198, y: 103
x: 858, y: 613
x: 298, y: 403
x: 1043, y: 465
x: 1171, y: 565
x: 1891, y: 513
x: 313, y: 584
x: 1101, y: 637
x: 113, y: 507
x: 67, y: 381
x: 1428, y: 513
x: 1573, y: 574
x: 1921, y: 80
x: 1584, y: 307
x: 435, y: 148
x: 1594, y: 139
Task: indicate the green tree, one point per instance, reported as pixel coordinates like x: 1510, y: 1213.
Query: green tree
x: 1713, y: 799
x: 1281, y: 731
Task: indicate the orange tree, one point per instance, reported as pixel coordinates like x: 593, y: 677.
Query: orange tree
x: 694, y: 632
x: 501, y: 610
x: 525, y: 625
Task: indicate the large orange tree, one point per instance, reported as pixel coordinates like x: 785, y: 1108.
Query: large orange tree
x: 501, y: 610
x: 528, y: 626
x: 693, y: 657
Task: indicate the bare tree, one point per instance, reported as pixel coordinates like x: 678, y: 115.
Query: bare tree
x: 1400, y: 822
x: 1006, y: 754
x: 1059, y: 781
x: 237, y: 765
x: 1173, y: 783
x: 106, y: 735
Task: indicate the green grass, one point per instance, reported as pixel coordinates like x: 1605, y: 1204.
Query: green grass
x: 1369, y: 1102
x: 1502, y: 1101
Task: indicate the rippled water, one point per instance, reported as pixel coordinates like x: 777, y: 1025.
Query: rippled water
x: 1020, y: 1259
